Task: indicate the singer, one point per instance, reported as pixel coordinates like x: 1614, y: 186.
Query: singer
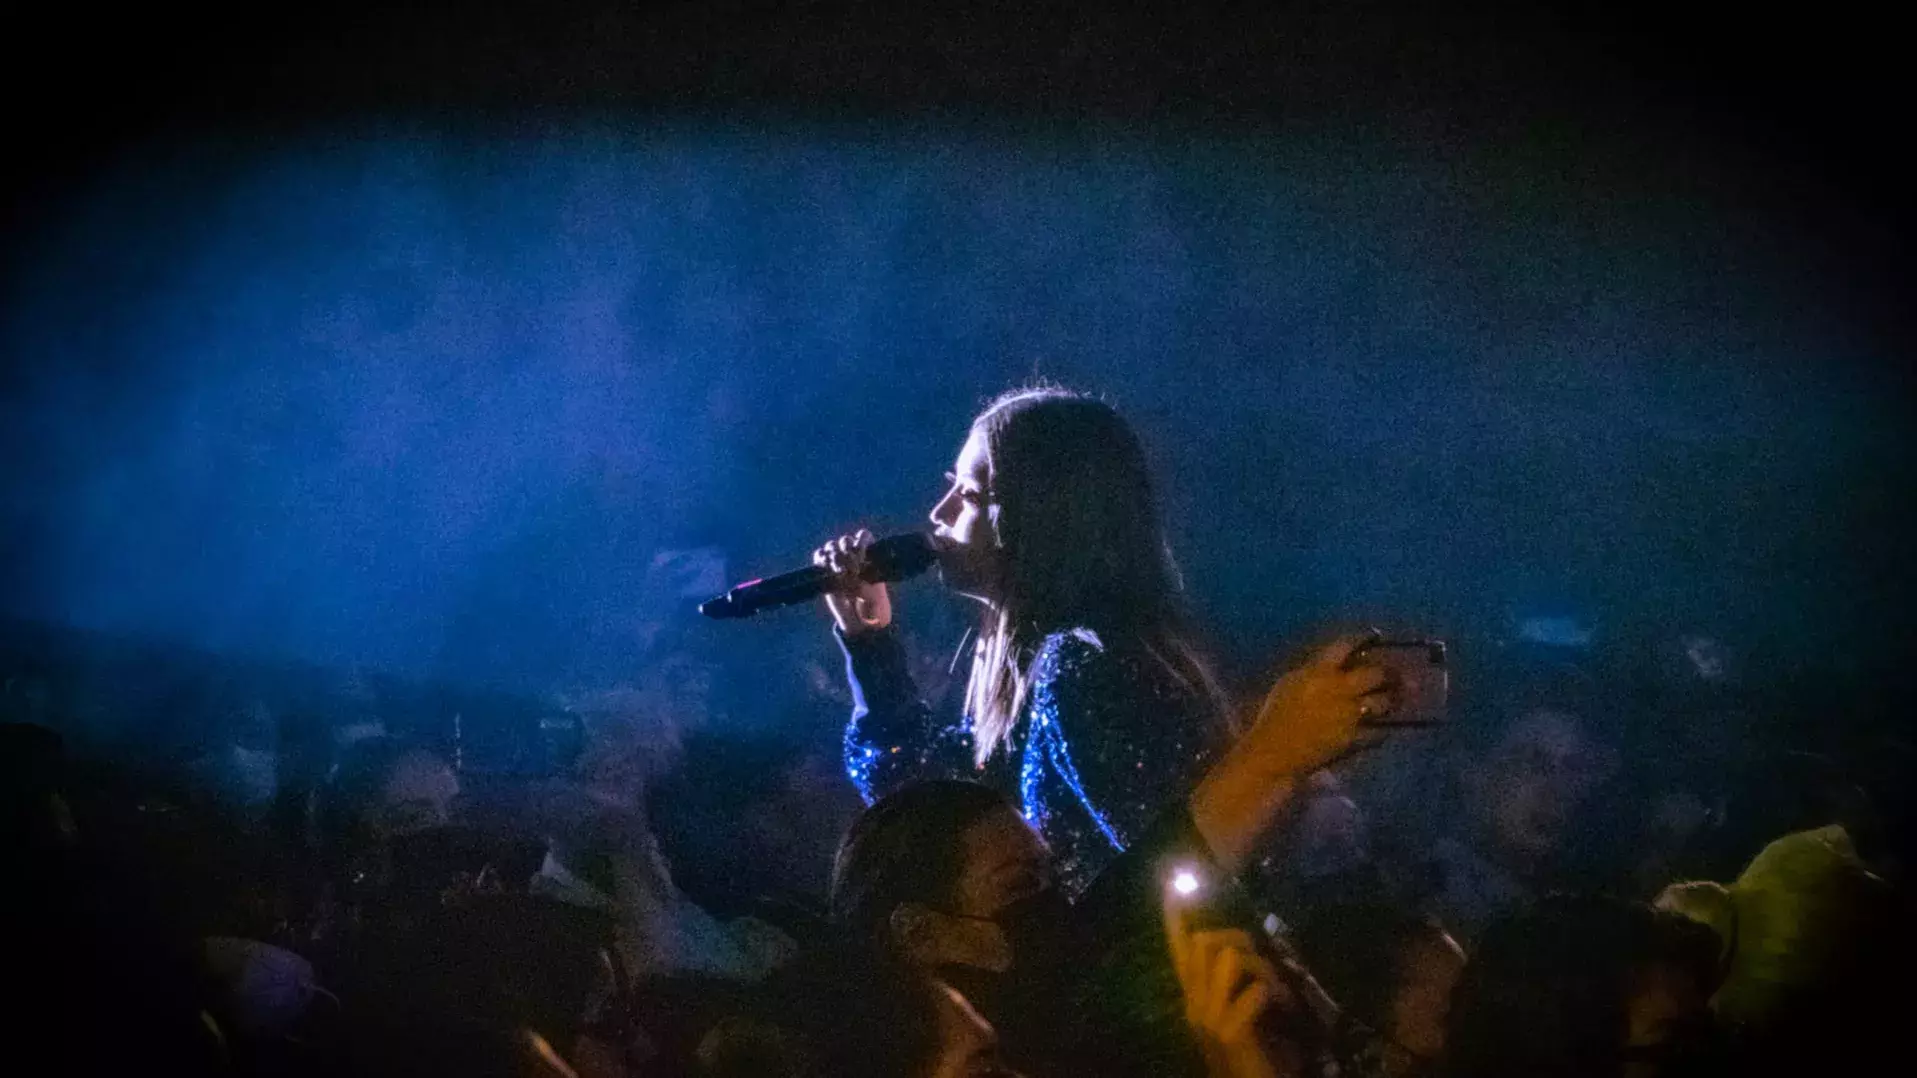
x: 1088, y: 702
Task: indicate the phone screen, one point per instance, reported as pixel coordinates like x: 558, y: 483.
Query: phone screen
x: 1422, y: 677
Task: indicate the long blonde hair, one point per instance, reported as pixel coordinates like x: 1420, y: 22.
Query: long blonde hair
x: 1076, y: 520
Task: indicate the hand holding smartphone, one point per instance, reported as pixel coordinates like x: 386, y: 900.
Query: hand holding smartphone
x: 1420, y: 680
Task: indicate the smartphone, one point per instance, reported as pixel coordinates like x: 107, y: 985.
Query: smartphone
x: 1423, y: 680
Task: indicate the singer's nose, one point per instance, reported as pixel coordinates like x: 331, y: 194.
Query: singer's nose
x: 944, y: 513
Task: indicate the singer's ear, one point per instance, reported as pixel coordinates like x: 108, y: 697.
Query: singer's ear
x: 998, y: 532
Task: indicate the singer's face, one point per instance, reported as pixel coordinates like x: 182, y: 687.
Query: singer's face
x: 962, y: 525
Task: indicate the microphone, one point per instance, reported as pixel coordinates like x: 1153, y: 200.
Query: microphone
x: 890, y: 559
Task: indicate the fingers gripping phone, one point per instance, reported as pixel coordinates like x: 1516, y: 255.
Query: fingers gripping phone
x: 1419, y: 677
x: 1299, y: 1012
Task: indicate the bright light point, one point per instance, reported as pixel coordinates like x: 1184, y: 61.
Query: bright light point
x: 1185, y: 882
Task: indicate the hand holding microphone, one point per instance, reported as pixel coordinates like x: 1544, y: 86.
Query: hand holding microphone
x: 854, y: 567
x: 857, y: 604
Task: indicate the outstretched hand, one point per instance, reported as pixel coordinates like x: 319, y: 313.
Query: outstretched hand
x: 1312, y: 717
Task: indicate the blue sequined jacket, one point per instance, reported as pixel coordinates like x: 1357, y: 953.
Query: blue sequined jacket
x: 1108, y: 740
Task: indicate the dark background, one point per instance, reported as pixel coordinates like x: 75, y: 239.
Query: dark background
x: 1807, y: 100
x: 1732, y: 179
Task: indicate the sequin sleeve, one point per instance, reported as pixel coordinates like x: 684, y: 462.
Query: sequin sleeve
x: 1124, y: 739
x: 893, y: 738
x: 1127, y: 1010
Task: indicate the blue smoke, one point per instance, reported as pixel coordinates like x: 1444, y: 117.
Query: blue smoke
x: 432, y: 403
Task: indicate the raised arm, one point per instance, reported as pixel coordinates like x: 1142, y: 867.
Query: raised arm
x: 892, y: 738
